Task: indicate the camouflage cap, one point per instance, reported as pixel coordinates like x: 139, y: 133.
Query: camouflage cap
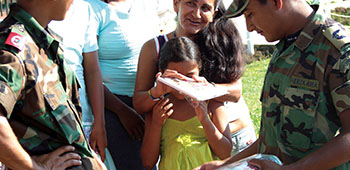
x: 236, y: 8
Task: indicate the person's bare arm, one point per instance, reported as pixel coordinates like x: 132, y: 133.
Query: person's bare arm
x: 15, y: 157
x: 235, y: 91
x: 252, y: 149
x: 216, y: 130
x: 132, y: 121
x: 150, y: 143
x: 94, y: 88
x: 147, y: 72
x: 145, y: 77
x: 153, y: 131
x: 12, y: 154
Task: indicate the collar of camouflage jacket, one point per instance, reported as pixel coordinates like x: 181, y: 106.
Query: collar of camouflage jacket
x: 41, y: 36
x: 313, y: 26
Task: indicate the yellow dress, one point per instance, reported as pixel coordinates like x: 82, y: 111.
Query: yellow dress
x: 183, y: 145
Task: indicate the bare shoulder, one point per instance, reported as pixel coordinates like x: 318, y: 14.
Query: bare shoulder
x: 216, y: 106
x: 147, y: 67
x: 149, y: 50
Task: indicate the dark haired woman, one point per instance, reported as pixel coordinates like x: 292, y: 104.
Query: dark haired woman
x: 221, y: 51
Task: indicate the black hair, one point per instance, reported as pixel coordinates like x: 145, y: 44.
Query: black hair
x: 179, y: 49
x: 221, y: 51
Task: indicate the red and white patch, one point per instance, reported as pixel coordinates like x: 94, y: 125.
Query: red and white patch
x: 15, y: 40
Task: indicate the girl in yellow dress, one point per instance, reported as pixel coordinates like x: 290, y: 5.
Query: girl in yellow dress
x: 184, y: 135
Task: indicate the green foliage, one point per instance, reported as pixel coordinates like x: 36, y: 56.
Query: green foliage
x: 312, y: 2
x: 253, y: 80
x: 261, y: 52
x: 341, y: 11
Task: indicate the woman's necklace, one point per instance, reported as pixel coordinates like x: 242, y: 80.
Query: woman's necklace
x: 174, y: 34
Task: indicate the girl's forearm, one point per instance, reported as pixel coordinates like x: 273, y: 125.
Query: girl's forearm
x: 150, y: 146
x: 219, y: 143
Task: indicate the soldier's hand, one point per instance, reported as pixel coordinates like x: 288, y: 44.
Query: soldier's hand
x: 60, y: 159
x: 265, y: 164
x: 133, y: 123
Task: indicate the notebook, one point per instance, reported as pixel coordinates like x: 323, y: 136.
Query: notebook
x: 196, y: 90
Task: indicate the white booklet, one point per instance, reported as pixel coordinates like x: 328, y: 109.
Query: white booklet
x: 243, y: 163
x: 195, y: 90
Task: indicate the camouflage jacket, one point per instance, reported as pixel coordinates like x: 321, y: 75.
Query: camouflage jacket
x: 306, y: 86
x: 38, y: 92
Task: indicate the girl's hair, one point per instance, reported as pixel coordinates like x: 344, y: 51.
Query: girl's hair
x: 179, y: 49
x: 221, y: 51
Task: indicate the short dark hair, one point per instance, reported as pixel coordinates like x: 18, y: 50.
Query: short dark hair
x: 221, y: 51
x: 178, y: 49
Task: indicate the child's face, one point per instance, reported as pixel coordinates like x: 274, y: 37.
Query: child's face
x: 187, y: 68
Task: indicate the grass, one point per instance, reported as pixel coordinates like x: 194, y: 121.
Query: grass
x: 342, y: 11
x: 252, y: 80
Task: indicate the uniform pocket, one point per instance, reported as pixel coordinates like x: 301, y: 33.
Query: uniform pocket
x: 298, y: 117
x: 57, y: 99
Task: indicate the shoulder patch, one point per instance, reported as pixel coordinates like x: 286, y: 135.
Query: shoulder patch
x: 344, y: 61
x: 16, y: 38
x: 337, y: 35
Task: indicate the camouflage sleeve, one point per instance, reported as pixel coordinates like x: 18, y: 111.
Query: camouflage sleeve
x: 11, y: 80
x: 339, y: 81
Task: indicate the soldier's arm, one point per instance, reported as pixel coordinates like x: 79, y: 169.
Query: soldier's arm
x: 336, y: 152
x: 15, y: 157
x: 12, y: 154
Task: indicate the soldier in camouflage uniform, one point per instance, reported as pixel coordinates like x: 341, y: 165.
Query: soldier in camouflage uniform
x: 306, y: 93
x: 40, y: 125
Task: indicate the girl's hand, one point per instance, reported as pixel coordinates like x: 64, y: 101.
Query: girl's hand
x: 174, y: 74
x: 202, y: 111
x: 161, y: 111
x: 200, y: 79
x: 161, y: 89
